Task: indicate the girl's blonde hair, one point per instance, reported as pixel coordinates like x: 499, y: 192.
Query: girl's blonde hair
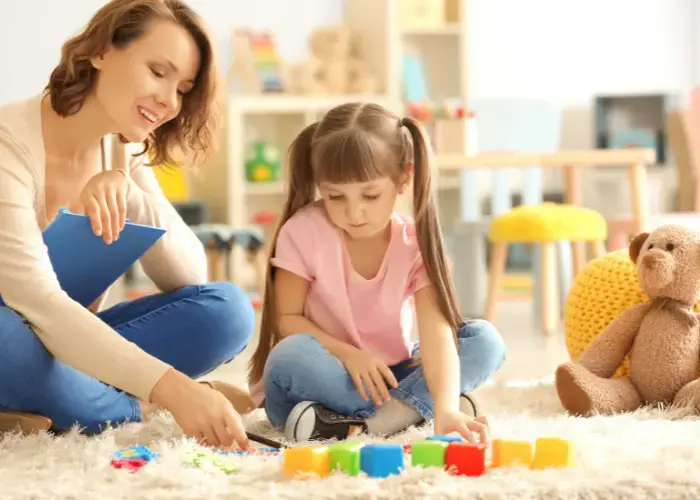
x: 358, y: 142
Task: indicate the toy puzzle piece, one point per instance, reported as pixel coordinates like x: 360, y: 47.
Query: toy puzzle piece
x: 465, y: 459
x: 139, y: 452
x: 553, y: 452
x: 429, y: 453
x: 206, y: 460
x: 130, y: 464
x: 381, y: 460
x: 510, y: 452
x: 345, y: 456
x: 304, y: 460
x: 448, y: 438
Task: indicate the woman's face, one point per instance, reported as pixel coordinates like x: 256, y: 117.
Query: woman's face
x: 142, y: 85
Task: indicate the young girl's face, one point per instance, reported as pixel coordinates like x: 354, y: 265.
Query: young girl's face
x: 361, y: 209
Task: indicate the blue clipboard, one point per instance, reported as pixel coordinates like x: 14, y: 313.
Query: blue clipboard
x: 84, y: 264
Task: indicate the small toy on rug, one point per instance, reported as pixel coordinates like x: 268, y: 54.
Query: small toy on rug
x: 449, y: 452
x: 207, y: 460
x: 133, y: 458
x: 661, y: 336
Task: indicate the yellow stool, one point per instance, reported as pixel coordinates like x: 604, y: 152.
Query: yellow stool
x: 544, y: 224
x: 601, y: 291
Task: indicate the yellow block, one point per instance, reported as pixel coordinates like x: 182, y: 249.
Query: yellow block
x: 306, y: 460
x: 509, y: 452
x: 548, y: 222
x: 173, y: 183
x: 553, y: 452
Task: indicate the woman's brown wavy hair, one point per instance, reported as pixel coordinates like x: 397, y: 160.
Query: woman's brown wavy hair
x: 119, y: 23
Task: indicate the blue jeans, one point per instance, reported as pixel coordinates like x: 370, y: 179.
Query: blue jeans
x: 300, y: 369
x: 194, y: 329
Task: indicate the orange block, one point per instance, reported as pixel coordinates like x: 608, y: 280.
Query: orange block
x: 304, y: 460
x: 509, y: 452
x: 553, y: 452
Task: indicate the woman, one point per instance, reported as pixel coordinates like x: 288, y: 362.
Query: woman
x: 142, y: 71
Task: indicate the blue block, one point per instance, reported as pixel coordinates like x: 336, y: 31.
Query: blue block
x: 381, y: 460
x: 445, y: 438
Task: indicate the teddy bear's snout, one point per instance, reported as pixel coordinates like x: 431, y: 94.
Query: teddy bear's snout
x: 658, y: 267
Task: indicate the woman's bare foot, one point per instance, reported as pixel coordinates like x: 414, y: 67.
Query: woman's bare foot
x: 26, y: 423
x: 238, y: 396
x: 147, y: 410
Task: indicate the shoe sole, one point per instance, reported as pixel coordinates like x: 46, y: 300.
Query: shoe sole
x: 301, y: 422
x: 26, y: 423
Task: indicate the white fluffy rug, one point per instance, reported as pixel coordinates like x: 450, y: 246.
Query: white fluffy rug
x: 648, y: 454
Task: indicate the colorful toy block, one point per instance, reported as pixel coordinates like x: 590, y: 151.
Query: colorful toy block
x: 553, y: 452
x: 303, y: 460
x: 429, y: 453
x: 510, y: 452
x: 448, y: 438
x: 381, y: 460
x: 465, y: 459
x: 345, y: 456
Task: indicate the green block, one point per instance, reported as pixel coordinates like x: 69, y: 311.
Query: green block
x: 428, y: 453
x: 345, y: 456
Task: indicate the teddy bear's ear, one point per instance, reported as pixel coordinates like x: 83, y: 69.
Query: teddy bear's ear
x: 636, y: 245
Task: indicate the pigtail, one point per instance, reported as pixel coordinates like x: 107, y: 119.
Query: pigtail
x: 301, y: 192
x: 428, y: 229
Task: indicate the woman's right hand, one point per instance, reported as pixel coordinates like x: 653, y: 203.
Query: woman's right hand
x: 201, y: 412
x: 368, y: 371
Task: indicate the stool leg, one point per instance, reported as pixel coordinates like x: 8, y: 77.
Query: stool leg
x: 567, y: 268
x: 598, y: 248
x: 579, y: 251
x: 499, y: 253
x: 548, y: 281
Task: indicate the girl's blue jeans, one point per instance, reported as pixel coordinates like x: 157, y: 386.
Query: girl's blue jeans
x: 194, y: 329
x: 300, y: 369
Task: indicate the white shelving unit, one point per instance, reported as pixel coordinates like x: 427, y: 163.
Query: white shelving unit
x: 278, y: 118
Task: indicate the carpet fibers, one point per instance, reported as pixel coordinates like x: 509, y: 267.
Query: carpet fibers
x: 648, y: 454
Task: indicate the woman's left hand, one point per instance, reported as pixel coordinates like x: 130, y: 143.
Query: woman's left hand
x: 104, y: 201
x: 448, y: 422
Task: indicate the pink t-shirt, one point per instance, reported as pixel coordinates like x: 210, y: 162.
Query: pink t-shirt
x: 370, y: 314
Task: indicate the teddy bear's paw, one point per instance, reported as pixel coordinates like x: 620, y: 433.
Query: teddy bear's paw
x: 570, y: 385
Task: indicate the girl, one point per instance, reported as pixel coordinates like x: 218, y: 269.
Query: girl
x: 334, y: 355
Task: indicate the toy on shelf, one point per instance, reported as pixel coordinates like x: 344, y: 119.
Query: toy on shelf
x: 429, y: 111
x: 256, y: 65
x: 451, y: 453
x: 335, y: 66
x: 263, y: 163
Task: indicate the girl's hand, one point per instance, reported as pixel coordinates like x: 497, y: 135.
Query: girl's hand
x: 365, y: 368
x: 104, y: 200
x: 448, y: 422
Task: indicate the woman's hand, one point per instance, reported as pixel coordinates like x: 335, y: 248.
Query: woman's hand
x: 366, y: 368
x: 201, y: 412
x: 447, y: 422
x: 103, y: 199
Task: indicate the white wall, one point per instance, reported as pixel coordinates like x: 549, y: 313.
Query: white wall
x: 572, y: 49
x: 564, y: 49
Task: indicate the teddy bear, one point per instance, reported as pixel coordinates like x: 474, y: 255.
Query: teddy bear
x: 661, y: 336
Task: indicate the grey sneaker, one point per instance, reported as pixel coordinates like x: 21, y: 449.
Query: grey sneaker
x: 312, y: 421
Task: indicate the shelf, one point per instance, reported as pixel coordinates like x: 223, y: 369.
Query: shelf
x: 282, y: 103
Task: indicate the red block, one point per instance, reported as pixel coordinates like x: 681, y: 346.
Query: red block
x: 465, y: 459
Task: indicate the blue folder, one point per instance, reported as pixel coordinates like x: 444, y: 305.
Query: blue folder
x: 84, y: 264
